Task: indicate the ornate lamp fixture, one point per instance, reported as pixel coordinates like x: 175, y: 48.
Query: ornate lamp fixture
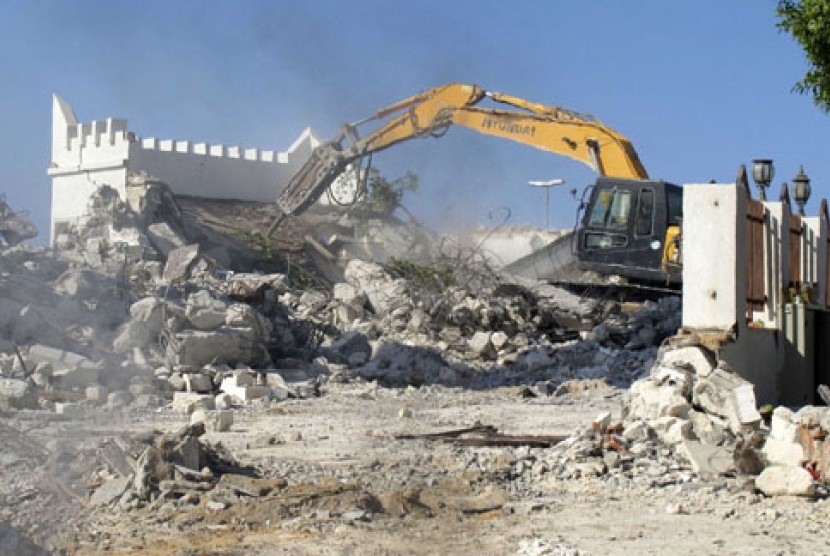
x: 762, y: 173
x: 801, y: 190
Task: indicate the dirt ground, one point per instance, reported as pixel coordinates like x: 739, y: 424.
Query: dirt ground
x: 341, y: 483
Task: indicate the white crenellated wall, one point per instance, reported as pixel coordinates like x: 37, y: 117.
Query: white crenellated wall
x: 87, y: 155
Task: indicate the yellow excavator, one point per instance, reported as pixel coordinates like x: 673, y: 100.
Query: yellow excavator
x: 629, y: 225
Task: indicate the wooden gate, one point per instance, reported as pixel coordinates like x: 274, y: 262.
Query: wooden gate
x: 795, y: 238
x: 755, y: 220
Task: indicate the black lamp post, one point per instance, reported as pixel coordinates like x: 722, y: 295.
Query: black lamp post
x: 762, y: 173
x: 801, y: 190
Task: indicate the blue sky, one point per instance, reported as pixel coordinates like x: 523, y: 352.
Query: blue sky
x: 698, y: 87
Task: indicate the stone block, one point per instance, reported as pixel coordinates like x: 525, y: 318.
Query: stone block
x: 785, y: 480
x: 188, y: 402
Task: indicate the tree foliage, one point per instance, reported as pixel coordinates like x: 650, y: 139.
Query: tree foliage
x: 384, y: 195
x: 808, y: 21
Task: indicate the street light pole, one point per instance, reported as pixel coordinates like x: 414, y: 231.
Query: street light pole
x: 547, y: 185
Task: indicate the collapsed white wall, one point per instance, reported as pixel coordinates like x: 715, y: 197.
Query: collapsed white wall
x: 87, y: 155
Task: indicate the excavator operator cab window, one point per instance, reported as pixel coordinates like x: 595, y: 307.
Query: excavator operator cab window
x: 611, y: 209
x: 674, y: 200
x: 645, y: 213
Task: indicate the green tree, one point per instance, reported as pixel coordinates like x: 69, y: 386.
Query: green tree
x: 808, y: 21
x: 384, y: 196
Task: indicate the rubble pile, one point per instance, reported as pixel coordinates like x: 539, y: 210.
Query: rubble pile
x: 139, y: 308
x: 128, y: 310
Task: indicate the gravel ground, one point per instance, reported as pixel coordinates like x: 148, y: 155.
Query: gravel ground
x: 351, y: 487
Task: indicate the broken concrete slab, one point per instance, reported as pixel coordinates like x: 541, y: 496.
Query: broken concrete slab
x: 785, y: 480
x: 178, y: 263
x: 707, y: 459
x: 196, y: 348
x: 110, y: 491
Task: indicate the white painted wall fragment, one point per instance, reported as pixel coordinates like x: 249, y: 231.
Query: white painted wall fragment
x: 88, y: 155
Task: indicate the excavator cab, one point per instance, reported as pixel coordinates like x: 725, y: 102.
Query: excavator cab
x: 626, y: 226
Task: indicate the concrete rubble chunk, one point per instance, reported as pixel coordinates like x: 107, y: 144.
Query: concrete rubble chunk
x: 179, y: 262
x: 196, y: 348
x: 214, y: 420
x: 697, y: 358
x: 17, y: 394
x: 151, y: 312
x: 727, y: 395
x: 481, y: 345
x: 352, y: 343
x: 783, y: 452
x: 672, y: 430
x: 197, y: 382
x: 706, y: 458
x: 110, y: 491
x: 246, y: 392
x: 777, y: 480
x: 188, y: 402
x: 204, y: 311
x: 347, y: 293
x: 164, y: 238
x: 650, y: 400
x: 783, y: 425
x: 744, y: 414
x: 383, y: 292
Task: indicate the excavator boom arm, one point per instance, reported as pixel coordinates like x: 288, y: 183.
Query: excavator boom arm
x: 579, y: 136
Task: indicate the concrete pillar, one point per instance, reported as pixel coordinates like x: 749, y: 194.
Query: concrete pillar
x: 714, y: 256
x: 814, y: 260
